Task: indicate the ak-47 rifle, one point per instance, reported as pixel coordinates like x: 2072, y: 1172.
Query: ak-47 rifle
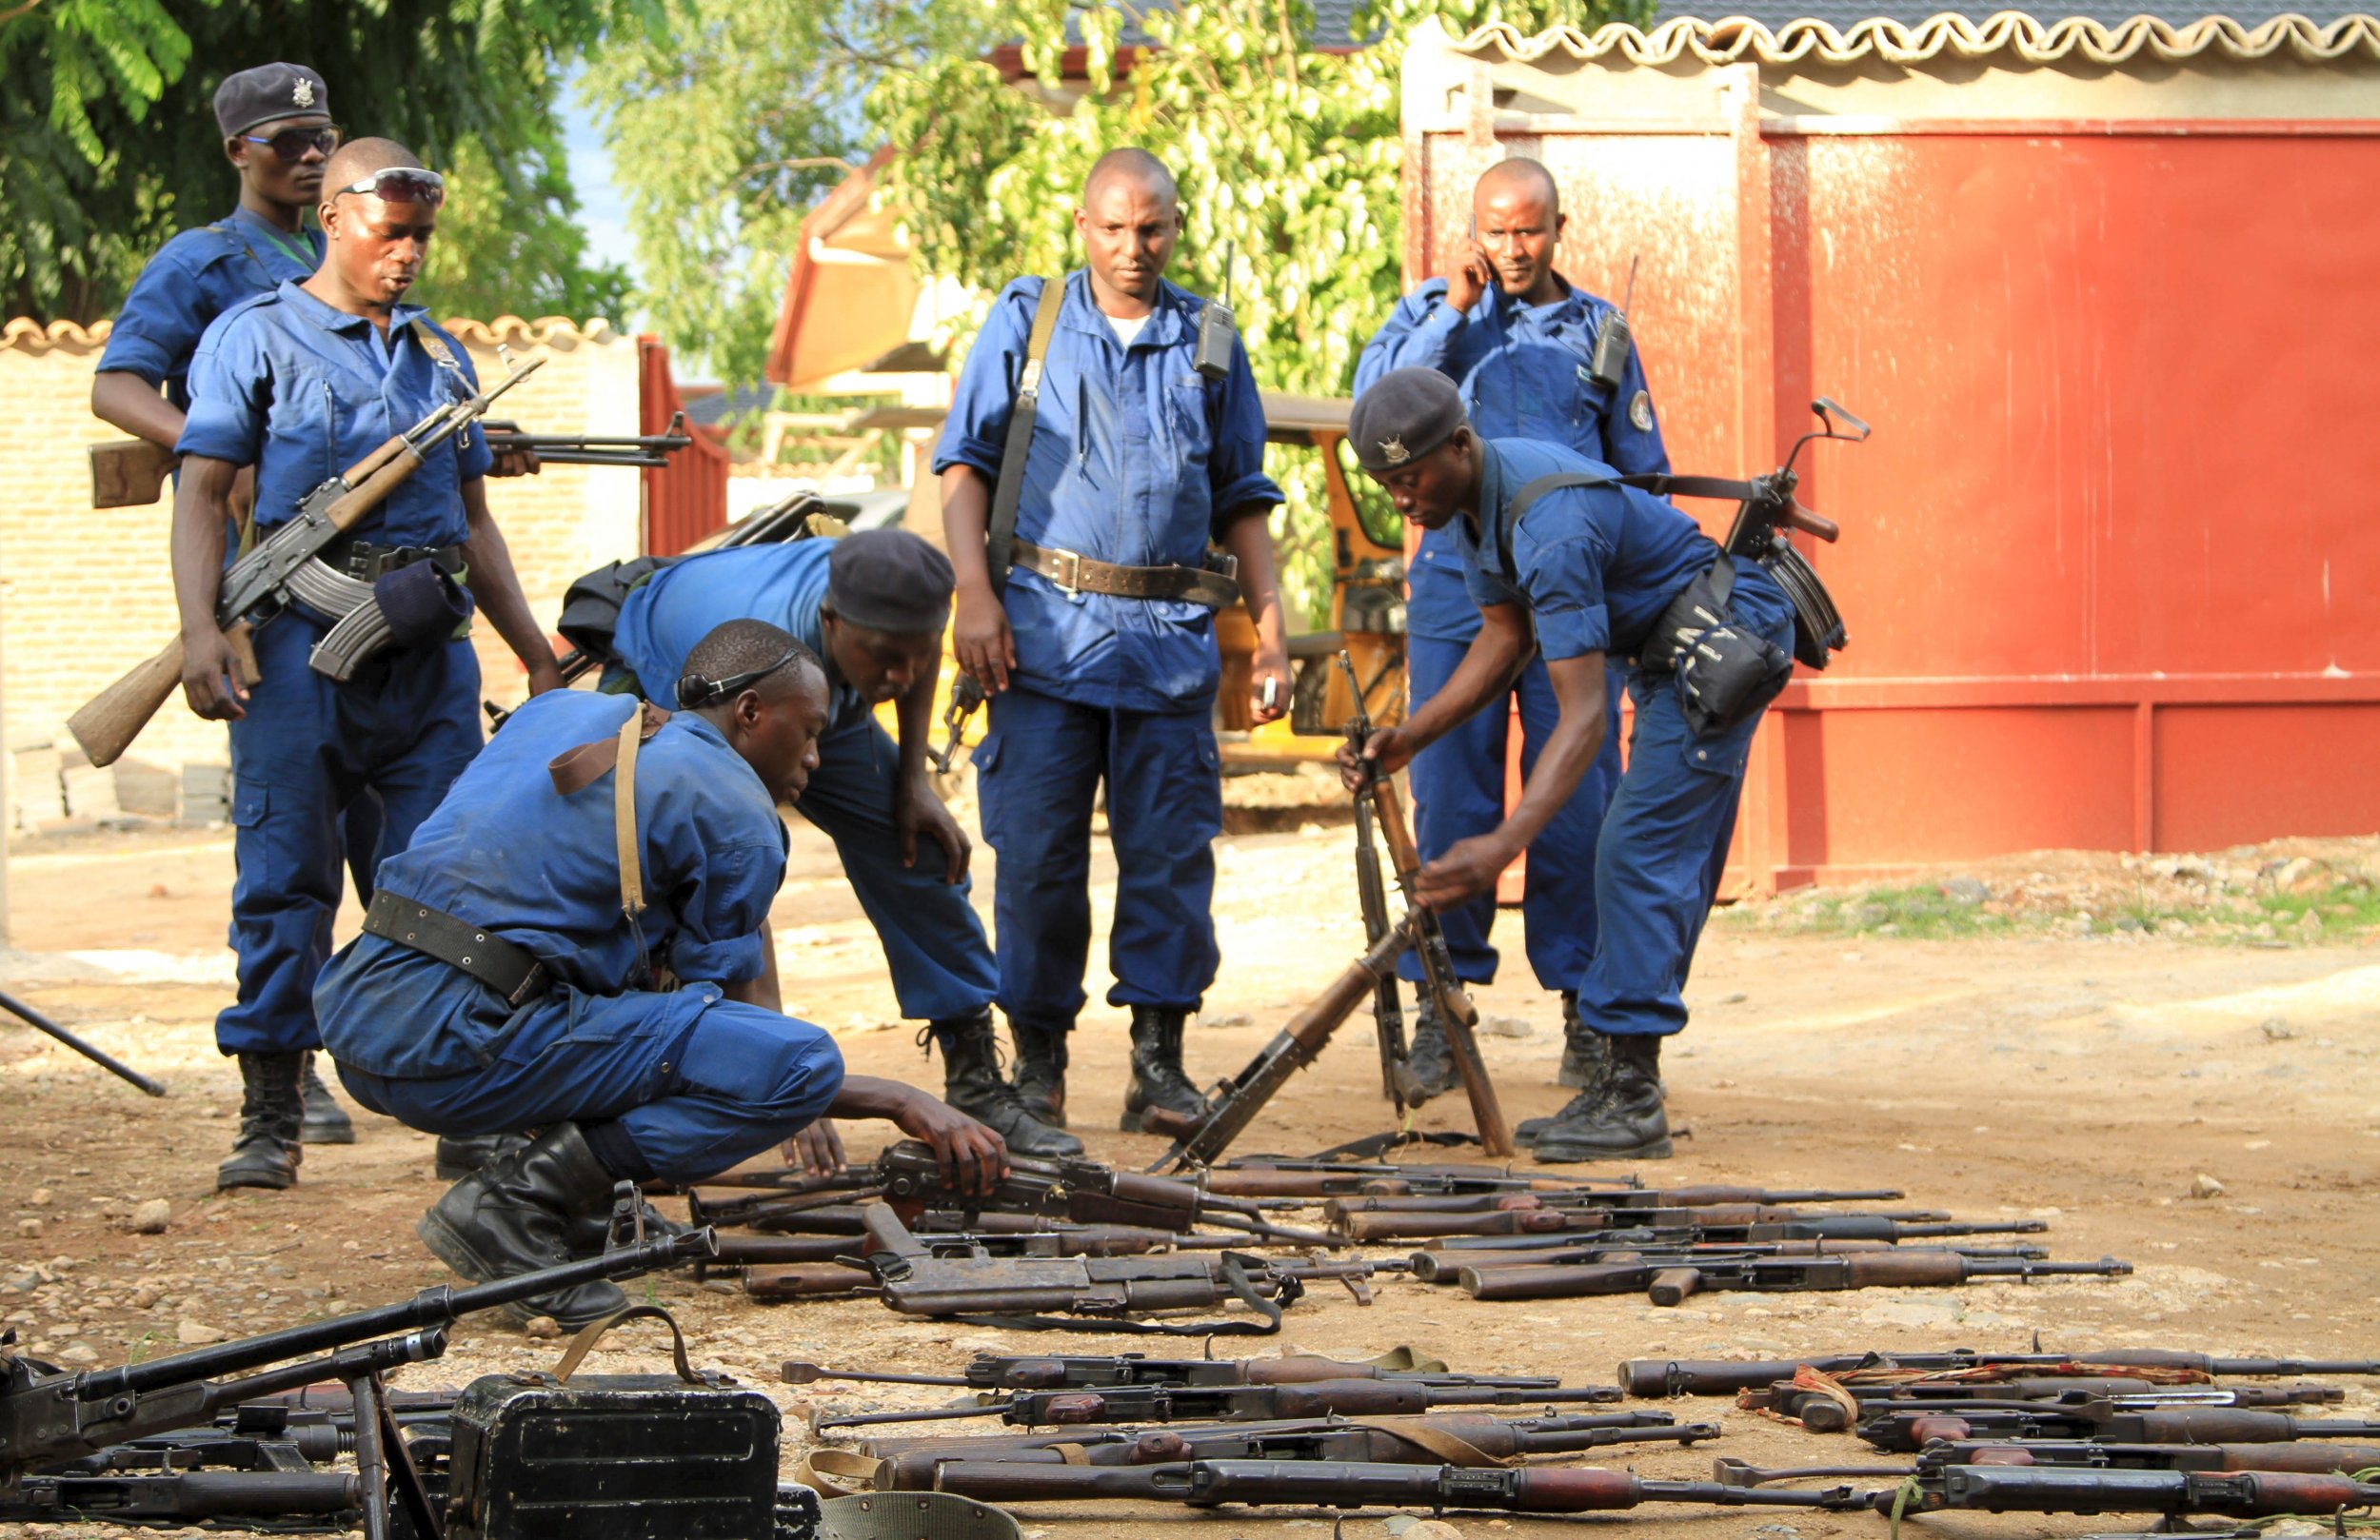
x: 1401, y: 1441
x: 1598, y: 1197
x: 1904, y: 1431
x: 282, y: 567
x: 1266, y: 1177
x: 1446, y: 1267
x: 1235, y: 1102
x: 1349, y: 1484
x: 1663, y: 1377
x: 647, y: 451
x: 1085, y: 1192
x: 1506, y: 1227
x: 1388, y: 1014
x: 1670, y: 1283
x: 993, y: 1372
x: 1236, y: 1403
x: 1456, y: 1011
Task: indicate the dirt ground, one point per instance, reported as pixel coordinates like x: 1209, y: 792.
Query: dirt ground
x: 2197, y: 1100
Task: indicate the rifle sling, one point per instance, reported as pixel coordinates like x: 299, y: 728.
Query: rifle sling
x: 999, y: 530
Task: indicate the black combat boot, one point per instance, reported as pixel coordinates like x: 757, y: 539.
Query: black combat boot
x: 972, y: 1083
x: 1040, y: 1072
x: 515, y: 1214
x: 326, y: 1122
x: 1586, y: 1063
x: 1158, y: 1080
x: 1428, y: 1057
x: 1620, y: 1120
x: 266, y: 1152
x: 459, y: 1156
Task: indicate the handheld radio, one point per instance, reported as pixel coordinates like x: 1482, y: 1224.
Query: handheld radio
x: 1613, y: 343
x: 1218, y: 330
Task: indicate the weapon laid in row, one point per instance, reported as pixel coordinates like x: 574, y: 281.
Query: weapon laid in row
x: 1672, y: 1282
x: 1237, y: 1403
x: 1726, y: 1377
x: 1682, y: 1246
x: 1063, y: 1372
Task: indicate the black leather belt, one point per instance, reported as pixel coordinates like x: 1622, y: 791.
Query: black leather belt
x: 365, y: 562
x: 1079, y: 573
x: 509, y: 970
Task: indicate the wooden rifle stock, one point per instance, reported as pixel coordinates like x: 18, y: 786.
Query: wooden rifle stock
x: 1455, y: 1007
x: 107, y: 723
x: 129, y: 473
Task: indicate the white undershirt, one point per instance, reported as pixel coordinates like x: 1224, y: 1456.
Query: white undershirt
x: 1127, y: 327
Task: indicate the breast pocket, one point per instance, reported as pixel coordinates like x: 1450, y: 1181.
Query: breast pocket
x: 1185, y: 418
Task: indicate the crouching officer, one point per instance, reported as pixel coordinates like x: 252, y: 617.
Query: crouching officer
x: 1551, y: 542
x: 872, y: 605
x: 299, y: 385
x: 1099, y: 655
x: 1533, y: 358
x: 513, y: 967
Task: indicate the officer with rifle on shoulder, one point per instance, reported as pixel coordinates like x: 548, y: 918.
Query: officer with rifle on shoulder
x: 295, y: 386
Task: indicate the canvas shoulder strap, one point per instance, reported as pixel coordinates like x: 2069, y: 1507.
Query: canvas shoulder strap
x: 1519, y: 503
x: 999, y: 531
x: 583, y: 766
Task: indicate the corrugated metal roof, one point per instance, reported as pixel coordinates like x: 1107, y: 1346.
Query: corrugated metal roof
x: 2008, y: 33
x: 1844, y: 14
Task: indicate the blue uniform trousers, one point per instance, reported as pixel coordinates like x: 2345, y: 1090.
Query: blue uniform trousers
x: 1039, y: 768
x: 695, y: 1096
x: 306, y: 750
x: 1458, y: 792
x: 1656, y: 870
x: 935, y: 947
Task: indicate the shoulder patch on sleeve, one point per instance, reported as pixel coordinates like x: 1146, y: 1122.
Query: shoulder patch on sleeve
x: 1640, y: 411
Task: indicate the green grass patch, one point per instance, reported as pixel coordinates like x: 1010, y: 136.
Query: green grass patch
x: 1920, y: 911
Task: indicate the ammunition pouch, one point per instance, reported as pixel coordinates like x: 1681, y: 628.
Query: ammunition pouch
x: 1723, y: 674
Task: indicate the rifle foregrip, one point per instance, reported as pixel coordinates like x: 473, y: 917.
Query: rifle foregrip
x: 1904, y: 1270
x: 109, y: 720
x: 1552, y: 1490
x: 1559, y: 1281
x: 804, y: 1280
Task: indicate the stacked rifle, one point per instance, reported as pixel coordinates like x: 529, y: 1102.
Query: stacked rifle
x: 1316, y: 1433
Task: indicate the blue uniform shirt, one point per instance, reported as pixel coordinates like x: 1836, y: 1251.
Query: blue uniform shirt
x: 1523, y: 373
x: 198, y: 276
x: 1596, y: 564
x: 508, y: 852
x: 1135, y: 459
x: 686, y: 600
x: 302, y: 391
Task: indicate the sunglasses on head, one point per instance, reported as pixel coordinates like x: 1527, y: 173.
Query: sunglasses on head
x: 291, y: 145
x: 401, y: 183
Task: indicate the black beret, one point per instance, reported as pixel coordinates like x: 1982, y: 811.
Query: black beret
x: 269, y: 92
x: 889, y: 580
x: 1406, y: 414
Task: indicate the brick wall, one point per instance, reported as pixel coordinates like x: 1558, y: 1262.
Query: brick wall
x: 85, y: 594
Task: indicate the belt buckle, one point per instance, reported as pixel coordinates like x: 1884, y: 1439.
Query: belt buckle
x: 1069, y: 562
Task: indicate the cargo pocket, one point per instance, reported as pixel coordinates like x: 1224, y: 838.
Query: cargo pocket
x: 990, y: 811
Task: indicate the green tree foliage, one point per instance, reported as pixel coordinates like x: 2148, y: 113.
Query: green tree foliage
x: 109, y: 144
x: 1289, y: 163
x: 726, y: 130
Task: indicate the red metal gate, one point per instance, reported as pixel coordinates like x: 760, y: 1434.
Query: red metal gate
x: 686, y: 499
x: 2109, y: 561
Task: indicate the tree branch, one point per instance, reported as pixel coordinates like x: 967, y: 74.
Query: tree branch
x: 7, y: 16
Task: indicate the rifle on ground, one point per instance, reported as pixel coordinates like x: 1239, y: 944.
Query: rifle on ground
x: 1085, y: 1192
x: 1667, y: 1283
x: 1236, y: 1403
x: 1598, y: 1197
x: 990, y: 1372
x: 1048, y: 1240
x: 1090, y: 1436
x: 651, y: 450
x: 282, y: 567
x: 1720, y: 1376
x: 2312, y: 1457
x: 1826, y: 1412
x: 1719, y: 1221
x: 1456, y: 1011
x: 1907, y: 1431
x: 1235, y: 1102
x: 1997, y: 1489
x: 1429, y: 1440
x: 1445, y: 1267
x: 916, y: 1280
x: 1350, y: 1484
x: 89, y: 1050
x: 1331, y: 1178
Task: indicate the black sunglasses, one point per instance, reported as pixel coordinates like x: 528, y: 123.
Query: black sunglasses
x: 400, y: 184
x: 291, y: 145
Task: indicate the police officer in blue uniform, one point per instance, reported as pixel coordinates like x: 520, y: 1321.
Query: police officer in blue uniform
x: 278, y: 135
x: 1589, y: 572
x: 1100, y: 659
x: 297, y: 385
x: 1519, y: 341
x: 511, y: 973
x: 872, y: 605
